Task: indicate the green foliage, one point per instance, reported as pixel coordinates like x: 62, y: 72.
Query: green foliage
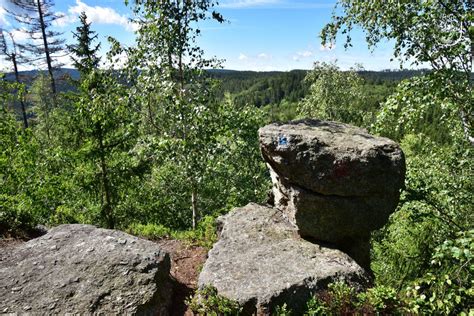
x: 282, y: 311
x: 157, y: 150
x: 85, y: 53
x: 435, y: 32
x: 341, y: 299
x: 207, y: 301
x: 283, y: 112
x: 432, y: 116
x: 17, y: 175
x: 436, y: 203
x: 204, y: 235
x: 41, y: 98
x: 262, y: 89
x: 192, y: 139
x: 448, y: 288
x: 275, y: 88
x: 335, y: 95
x: 316, y: 307
x: 105, y: 130
x: 419, y: 106
x: 149, y: 231
x: 380, y: 300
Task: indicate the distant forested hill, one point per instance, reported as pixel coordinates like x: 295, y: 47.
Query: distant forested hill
x: 249, y: 87
x: 262, y: 88
x: 265, y: 88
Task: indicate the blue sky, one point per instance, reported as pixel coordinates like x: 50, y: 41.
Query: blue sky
x: 260, y: 35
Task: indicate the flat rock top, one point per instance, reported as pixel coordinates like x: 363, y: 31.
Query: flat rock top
x: 83, y: 269
x: 341, y: 136
x: 259, y: 259
x: 333, y: 158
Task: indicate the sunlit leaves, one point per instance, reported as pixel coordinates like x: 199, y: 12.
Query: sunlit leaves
x: 334, y: 95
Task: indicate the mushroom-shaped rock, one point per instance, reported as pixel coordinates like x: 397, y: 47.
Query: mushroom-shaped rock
x: 261, y: 262
x: 81, y: 269
x: 335, y: 182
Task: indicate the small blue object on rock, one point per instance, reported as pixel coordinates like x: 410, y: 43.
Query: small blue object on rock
x: 282, y: 141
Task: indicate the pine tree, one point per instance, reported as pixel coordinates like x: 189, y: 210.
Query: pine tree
x: 38, y: 17
x: 84, y: 51
x: 12, y: 54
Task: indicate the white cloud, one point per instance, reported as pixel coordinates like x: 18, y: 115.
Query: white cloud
x: 96, y: 15
x: 243, y: 57
x: 306, y: 53
x: 264, y: 56
x: 303, y: 54
x: 20, y: 35
x: 3, y: 16
x: 236, y: 4
x: 65, y: 20
x: 65, y: 60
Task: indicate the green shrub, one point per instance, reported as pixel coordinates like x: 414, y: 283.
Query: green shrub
x: 380, y: 300
x: 282, y: 311
x: 207, y: 301
x: 316, y: 307
x: 448, y: 288
x: 204, y: 235
x: 149, y: 231
x: 342, y: 299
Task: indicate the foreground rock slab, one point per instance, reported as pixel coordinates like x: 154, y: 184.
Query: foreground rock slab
x: 85, y: 270
x: 335, y: 182
x: 261, y: 262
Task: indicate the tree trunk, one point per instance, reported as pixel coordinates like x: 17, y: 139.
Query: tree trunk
x: 106, y: 210
x: 194, y: 207
x: 46, y: 49
x: 17, y: 78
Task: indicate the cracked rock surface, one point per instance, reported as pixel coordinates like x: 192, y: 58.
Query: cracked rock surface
x: 335, y: 182
x: 86, y: 270
x: 261, y: 262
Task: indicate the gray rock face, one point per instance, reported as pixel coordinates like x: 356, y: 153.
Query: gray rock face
x: 86, y: 270
x: 335, y: 182
x: 261, y: 262
x: 332, y: 158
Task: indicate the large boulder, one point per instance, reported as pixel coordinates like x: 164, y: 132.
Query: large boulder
x: 261, y: 262
x: 333, y: 158
x: 85, y: 270
x: 335, y: 182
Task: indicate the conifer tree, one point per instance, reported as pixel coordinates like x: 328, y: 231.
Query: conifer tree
x: 12, y: 54
x: 85, y: 53
x: 38, y: 17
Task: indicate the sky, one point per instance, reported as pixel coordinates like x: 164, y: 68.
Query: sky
x: 259, y: 35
